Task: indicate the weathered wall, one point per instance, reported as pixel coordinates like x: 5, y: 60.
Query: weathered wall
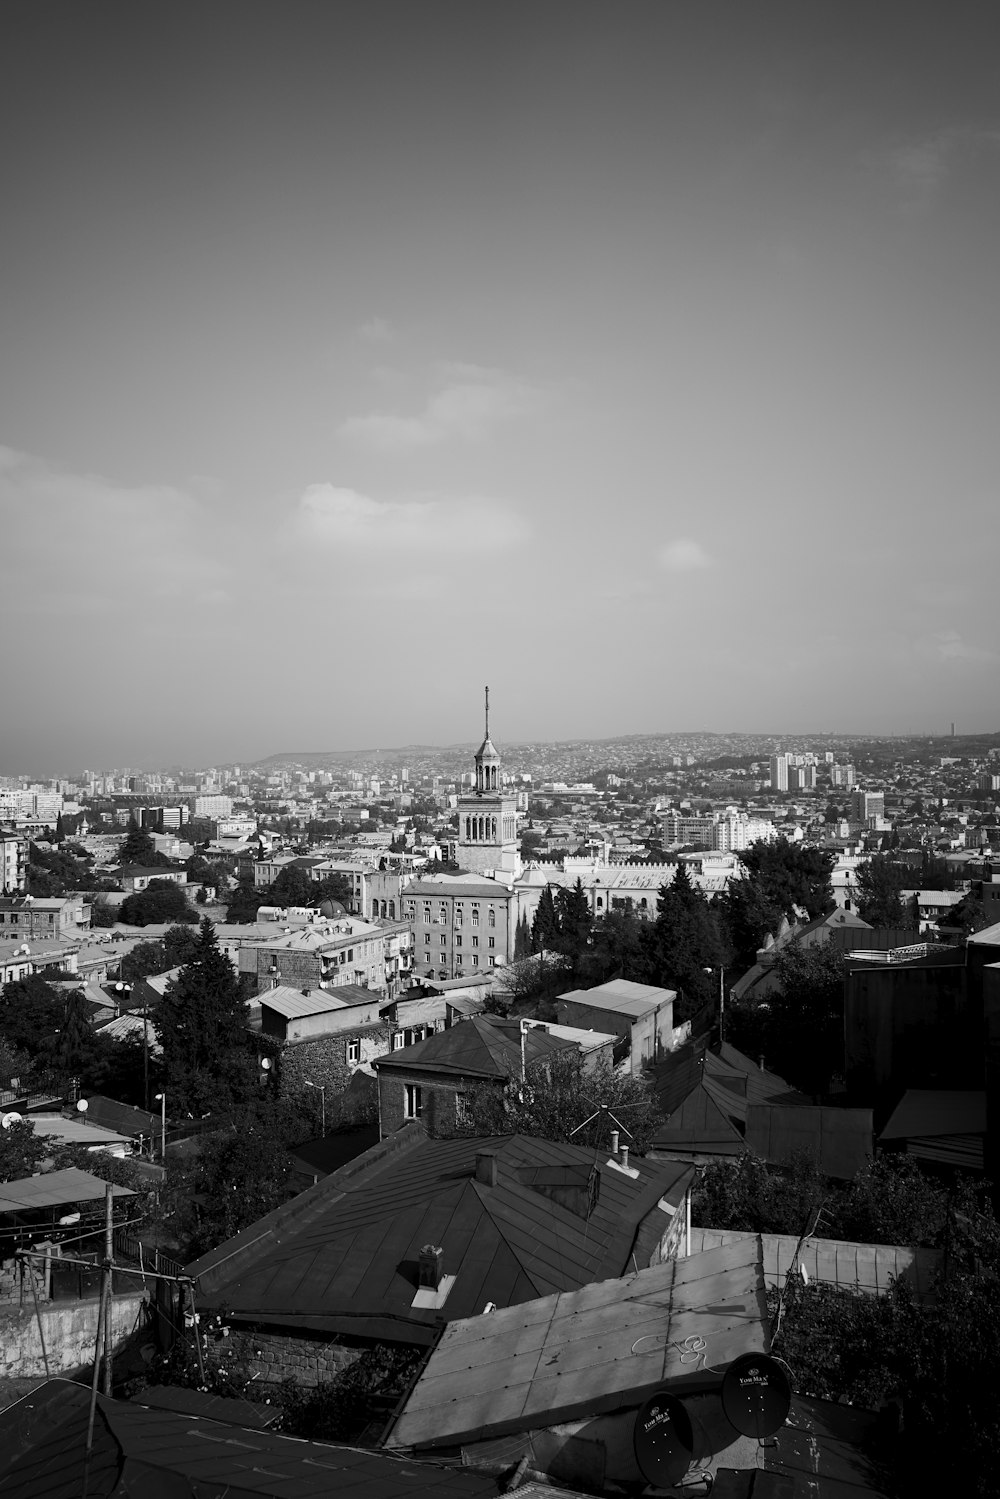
x: 323, y: 1060
x: 69, y: 1329
x: 275, y: 1357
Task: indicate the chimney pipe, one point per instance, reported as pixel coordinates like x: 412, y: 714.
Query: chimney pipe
x: 431, y: 1265
x: 614, y: 1142
x: 623, y: 1157
x: 486, y: 1167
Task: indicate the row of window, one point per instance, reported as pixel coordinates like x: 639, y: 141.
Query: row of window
x: 458, y: 940
x: 413, y: 1103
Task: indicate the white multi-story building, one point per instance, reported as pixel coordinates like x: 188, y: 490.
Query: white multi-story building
x: 779, y: 772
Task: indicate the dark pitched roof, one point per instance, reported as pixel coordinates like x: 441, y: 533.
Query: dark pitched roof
x: 485, y: 1046
x: 704, y: 1097
x: 169, y: 1454
x: 343, y: 1256
x: 121, y: 1117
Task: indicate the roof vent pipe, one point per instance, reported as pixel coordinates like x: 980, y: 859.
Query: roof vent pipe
x: 614, y: 1142
x: 623, y: 1157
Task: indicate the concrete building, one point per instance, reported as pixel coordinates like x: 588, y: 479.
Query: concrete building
x: 32, y: 918
x: 323, y: 955
x: 640, y: 1015
x: 462, y: 924
x: 13, y: 861
x: 779, y: 772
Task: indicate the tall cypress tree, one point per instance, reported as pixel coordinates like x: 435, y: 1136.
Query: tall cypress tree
x: 201, y: 1023
x: 545, y: 927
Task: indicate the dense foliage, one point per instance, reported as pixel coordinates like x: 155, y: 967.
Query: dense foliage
x: 162, y: 900
x: 557, y: 1096
x: 209, y: 1054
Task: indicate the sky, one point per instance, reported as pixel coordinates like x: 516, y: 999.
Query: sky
x: 640, y: 360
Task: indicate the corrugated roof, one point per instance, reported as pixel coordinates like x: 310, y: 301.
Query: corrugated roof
x: 704, y: 1098
x: 835, y: 1262
x: 344, y: 1255
x: 293, y: 1002
x: 582, y: 1353
x: 75, y: 1131
x: 54, y: 1189
x: 165, y: 1454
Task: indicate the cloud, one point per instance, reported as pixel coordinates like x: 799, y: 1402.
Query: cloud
x: 345, y: 520
x: 85, y: 546
x: 922, y: 168
x: 684, y: 556
x: 949, y: 645
x: 377, y: 331
x: 466, y: 403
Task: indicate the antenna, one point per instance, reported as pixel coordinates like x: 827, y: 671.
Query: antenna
x: 663, y: 1440
x: 756, y: 1395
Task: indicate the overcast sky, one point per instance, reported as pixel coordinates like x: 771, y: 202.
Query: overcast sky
x: 641, y: 360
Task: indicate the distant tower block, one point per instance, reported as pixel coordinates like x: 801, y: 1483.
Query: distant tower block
x: 487, y: 819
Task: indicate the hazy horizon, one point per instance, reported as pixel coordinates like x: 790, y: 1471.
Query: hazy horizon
x: 642, y: 361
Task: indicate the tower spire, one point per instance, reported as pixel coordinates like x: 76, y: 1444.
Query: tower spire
x: 487, y: 712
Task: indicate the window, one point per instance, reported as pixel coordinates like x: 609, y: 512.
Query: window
x: 493, y: 917
x: 427, y: 913
x: 475, y: 941
x: 427, y: 939
x: 354, y: 1050
x: 398, y: 1041
x: 413, y: 1104
x: 444, y: 911
x: 475, y: 961
x: 493, y: 961
x: 458, y: 916
x: 444, y: 939
x: 458, y: 941
x: 493, y: 942
x: 475, y: 916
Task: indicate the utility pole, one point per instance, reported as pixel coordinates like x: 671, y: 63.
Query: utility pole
x: 108, y: 1300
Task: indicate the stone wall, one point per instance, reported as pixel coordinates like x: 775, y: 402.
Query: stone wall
x: 438, y: 1097
x: 69, y: 1329
x: 323, y: 1060
x: 273, y: 1357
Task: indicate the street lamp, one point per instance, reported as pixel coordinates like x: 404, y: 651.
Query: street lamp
x: 722, y: 1000
x: 162, y: 1100
x: 321, y: 1090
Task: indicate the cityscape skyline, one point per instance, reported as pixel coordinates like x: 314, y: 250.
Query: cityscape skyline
x: 642, y: 363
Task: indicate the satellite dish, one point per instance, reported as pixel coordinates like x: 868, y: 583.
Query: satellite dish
x: 663, y: 1440
x: 9, y: 1119
x: 82, y: 1106
x: 756, y: 1395
x: 265, y: 1064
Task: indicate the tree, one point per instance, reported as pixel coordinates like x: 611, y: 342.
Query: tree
x: 878, y: 882
x: 687, y: 939
x: 573, y: 915
x: 800, y: 1027
x: 558, y: 1095
x: 145, y: 959
x: 208, y: 1051
x: 180, y: 943
x: 76, y: 1043
x: 522, y: 937
x: 790, y: 875
x: 31, y: 1013
x: 241, y: 1175
x: 545, y: 926
x: 21, y: 1151
x: 102, y: 914
x: 162, y: 900
x: 137, y: 847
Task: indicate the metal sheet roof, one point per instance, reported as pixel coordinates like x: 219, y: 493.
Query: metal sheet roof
x: 54, y: 1189
x: 933, y: 1111
x: 855, y: 1267
x: 621, y: 996
x: 582, y: 1353
x: 840, y: 1141
x: 172, y: 1455
x: 485, y: 1046
x: 345, y: 1254
x: 293, y: 1003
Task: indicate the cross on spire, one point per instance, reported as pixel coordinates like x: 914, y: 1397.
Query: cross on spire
x: 487, y: 712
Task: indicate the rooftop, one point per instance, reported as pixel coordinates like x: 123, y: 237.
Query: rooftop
x: 343, y: 1256
x: 621, y: 996
x: 603, y: 1348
